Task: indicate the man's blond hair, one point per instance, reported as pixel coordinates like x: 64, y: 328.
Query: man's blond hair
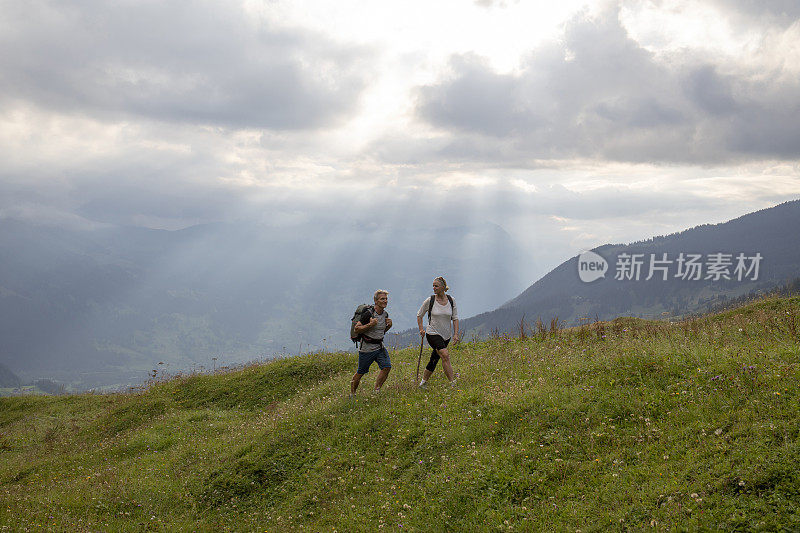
x: 378, y: 293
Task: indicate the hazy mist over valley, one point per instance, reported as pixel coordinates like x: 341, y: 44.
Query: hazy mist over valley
x: 115, y: 301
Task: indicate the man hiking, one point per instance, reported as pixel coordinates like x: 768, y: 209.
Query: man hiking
x: 372, y: 326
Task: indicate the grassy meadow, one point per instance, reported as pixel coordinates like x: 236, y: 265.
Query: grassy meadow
x: 623, y: 425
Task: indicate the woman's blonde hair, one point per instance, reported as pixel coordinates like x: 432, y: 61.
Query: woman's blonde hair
x: 441, y: 281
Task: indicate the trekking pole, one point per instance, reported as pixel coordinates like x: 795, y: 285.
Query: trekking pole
x: 421, y: 339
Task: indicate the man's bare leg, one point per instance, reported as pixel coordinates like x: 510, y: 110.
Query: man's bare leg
x: 354, y: 382
x: 382, y: 375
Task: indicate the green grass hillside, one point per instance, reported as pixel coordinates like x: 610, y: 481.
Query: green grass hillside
x: 624, y: 425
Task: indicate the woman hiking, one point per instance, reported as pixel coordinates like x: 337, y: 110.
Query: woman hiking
x: 442, y: 326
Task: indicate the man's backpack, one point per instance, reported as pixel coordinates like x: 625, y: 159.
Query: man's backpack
x: 355, y: 337
x: 430, y: 306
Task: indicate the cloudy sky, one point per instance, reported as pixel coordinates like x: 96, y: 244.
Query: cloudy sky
x: 570, y: 124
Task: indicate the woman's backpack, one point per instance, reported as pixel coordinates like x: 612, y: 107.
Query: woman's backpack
x: 430, y: 306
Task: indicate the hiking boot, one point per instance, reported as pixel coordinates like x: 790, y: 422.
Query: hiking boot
x: 423, y: 386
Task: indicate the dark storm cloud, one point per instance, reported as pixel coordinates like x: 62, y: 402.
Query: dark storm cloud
x: 134, y: 187
x: 599, y: 94
x: 487, y: 110
x: 193, y: 62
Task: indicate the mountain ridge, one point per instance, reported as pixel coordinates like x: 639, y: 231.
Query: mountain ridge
x: 561, y: 295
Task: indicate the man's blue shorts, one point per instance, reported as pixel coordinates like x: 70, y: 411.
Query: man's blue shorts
x: 365, y: 359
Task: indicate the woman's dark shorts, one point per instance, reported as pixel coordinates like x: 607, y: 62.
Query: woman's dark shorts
x: 437, y: 343
x: 365, y: 359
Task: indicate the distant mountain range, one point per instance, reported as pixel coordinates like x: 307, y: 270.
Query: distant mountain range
x: 772, y: 233
x: 106, y: 306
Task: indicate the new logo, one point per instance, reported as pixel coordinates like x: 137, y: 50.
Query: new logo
x: 591, y: 266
